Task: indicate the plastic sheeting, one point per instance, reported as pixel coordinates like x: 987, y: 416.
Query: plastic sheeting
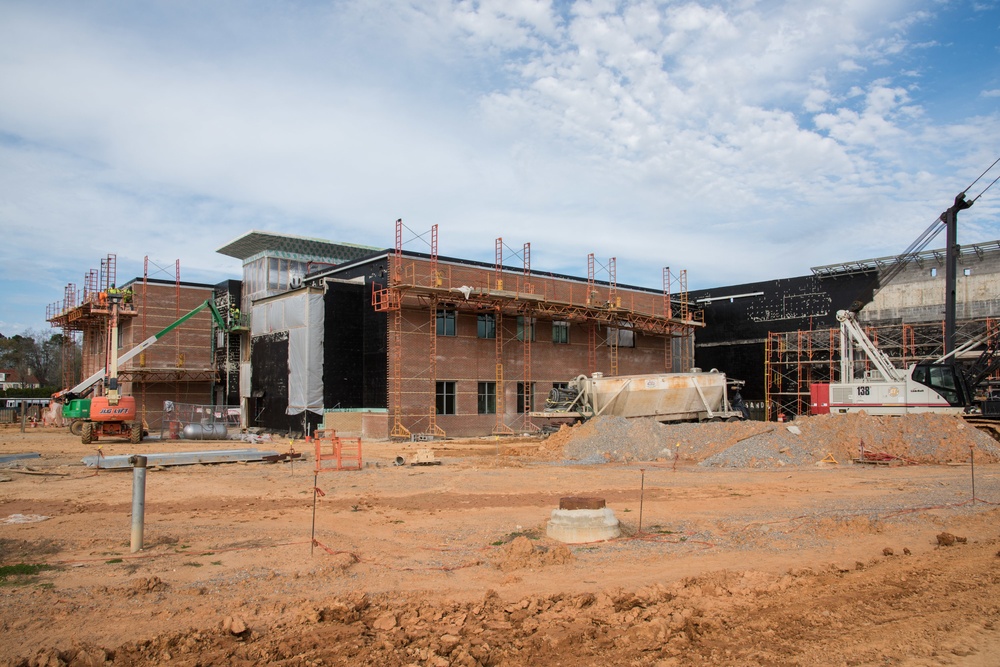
x: 301, y: 315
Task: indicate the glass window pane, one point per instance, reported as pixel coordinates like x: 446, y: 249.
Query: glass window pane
x: 486, y: 326
x: 487, y: 398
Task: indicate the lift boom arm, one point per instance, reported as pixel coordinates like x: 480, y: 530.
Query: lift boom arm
x: 81, y: 388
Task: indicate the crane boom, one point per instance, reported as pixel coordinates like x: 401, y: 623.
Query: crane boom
x: 852, y: 334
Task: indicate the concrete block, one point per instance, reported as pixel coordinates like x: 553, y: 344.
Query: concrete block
x: 582, y: 526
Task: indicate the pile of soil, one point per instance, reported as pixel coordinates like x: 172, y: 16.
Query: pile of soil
x: 919, y: 438
x: 521, y: 553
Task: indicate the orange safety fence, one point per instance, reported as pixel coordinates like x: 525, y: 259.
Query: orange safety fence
x: 336, y: 453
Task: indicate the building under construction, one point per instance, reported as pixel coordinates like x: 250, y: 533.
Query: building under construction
x: 416, y: 344
x: 180, y: 368
x: 393, y: 342
x: 783, y: 335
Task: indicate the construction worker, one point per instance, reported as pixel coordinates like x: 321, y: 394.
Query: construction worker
x: 127, y: 294
x: 234, y: 316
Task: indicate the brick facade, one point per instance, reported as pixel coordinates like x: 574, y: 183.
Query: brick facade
x: 467, y: 359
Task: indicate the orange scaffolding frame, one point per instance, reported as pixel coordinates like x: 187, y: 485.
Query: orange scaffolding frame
x: 421, y: 283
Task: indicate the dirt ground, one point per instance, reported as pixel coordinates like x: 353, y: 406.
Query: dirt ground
x: 819, y: 564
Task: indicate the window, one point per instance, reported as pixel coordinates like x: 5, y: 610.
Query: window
x: 487, y: 398
x: 520, y: 327
x: 445, y: 322
x: 625, y: 337
x: 445, y: 398
x: 521, y: 398
x: 486, y: 326
x: 560, y: 332
x: 966, y: 272
x: 940, y: 378
x: 933, y: 273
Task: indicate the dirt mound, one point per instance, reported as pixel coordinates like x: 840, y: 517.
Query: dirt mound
x: 921, y: 438
x: 727, y: 617
x: 521, y: 553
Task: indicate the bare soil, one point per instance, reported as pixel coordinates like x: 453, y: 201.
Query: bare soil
x: 806, y: 564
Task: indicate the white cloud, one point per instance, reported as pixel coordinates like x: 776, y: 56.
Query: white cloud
x: 745, y: 140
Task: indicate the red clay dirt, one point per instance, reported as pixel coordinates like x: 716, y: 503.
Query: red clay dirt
x: 818, y: 564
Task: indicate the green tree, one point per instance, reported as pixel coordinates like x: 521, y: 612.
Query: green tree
x: 37, y: 354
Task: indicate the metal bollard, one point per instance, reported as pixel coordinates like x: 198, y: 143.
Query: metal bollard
x: 138, y: 499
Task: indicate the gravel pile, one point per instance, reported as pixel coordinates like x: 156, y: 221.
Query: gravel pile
x: 925, y: 438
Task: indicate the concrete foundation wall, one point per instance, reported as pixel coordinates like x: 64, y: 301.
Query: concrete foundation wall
x: 918, y: 293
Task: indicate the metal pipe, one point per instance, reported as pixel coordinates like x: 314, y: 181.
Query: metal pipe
x: 138, y: 500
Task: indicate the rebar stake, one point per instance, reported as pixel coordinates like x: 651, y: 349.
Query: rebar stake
x: 972, y: 460
x: 642, y: 492
x: 312, y: 539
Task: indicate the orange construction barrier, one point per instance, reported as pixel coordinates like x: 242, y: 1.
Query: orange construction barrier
x: 336, y: 453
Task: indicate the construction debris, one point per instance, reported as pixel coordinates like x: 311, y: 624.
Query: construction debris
x: 425, y: 457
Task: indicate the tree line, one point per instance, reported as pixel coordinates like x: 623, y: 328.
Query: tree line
x: 38, y: 355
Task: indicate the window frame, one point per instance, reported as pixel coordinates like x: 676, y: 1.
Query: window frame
x: 445, y: 397
x: 486, y: 326
x: 561, y: 326
x: 628, y: 340
x: 446, y: 316
x: 521, y: 398
x: 486, y: 398
x: 532, y: 321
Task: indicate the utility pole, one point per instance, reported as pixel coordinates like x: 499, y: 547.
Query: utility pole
x: 950, y: 219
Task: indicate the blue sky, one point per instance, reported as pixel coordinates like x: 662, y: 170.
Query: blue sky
x: 741, y: 140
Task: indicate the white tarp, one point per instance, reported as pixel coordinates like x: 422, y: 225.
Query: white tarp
x: 301, y: 315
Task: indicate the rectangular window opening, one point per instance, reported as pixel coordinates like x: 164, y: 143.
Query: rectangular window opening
x: 520, y: 328
x: 624, y: 337
x: 445, y: 322
x: 560, y: 332
x: 521, y: 399
x: 486, y: 325
x: 487, y: 398
x: 445, y: 397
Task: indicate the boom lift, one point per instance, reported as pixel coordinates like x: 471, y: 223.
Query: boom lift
x: 113, y: 414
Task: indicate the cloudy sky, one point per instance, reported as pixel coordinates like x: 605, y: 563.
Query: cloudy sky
x: 740, y: 140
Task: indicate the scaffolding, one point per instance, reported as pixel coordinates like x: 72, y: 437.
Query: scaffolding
x: 88, y: 313
x: 793, y: 360
x: 417, y: 283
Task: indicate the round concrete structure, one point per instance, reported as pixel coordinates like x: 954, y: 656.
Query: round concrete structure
x: 583, y: 525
